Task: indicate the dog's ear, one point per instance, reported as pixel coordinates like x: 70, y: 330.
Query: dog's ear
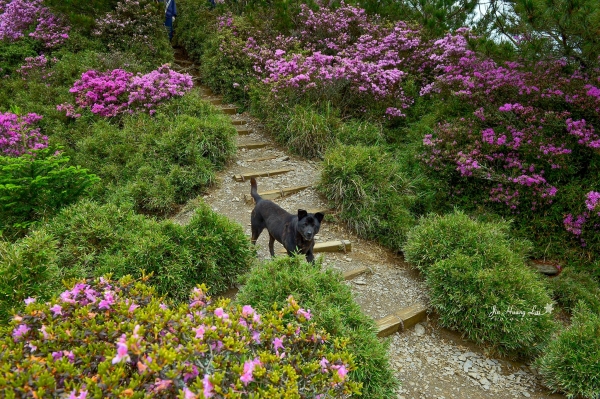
x: 302, y: 214
x: 319, y: 216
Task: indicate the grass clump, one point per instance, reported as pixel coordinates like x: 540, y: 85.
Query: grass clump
x: 159, y: 161
x: 571, y: 363
x: 437, y: 237
x: 333, y: 309
x: 573, y: 286
x: 484, y: 300
x: 373, y: 196
x: 28, y: 267
x: 93, y: 240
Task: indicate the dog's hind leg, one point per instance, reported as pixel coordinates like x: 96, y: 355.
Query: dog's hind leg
x: 255, y: 233
x: 271, y: 243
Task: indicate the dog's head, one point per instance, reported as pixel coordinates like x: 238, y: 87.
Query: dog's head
x: 309, y: 224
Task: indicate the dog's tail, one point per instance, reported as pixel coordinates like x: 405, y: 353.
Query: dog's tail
x: 254, y: 190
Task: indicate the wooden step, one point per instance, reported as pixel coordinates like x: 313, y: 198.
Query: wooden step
x: 273, y: 194
x: 350, y: 274
x: 266, y: 173
x: 252, y: 146
x: 401, y: 320
x: 243, y: 131
x: 238, y: 122
x: 329, y: 246
x: 229, y: 110
x: 216, y: 101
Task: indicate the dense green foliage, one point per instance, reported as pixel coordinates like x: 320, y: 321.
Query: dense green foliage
x: 159, y: 161
x: 118, y: 339
x: 477, y: 296
x: 571, y: 363
x: 28, y: 268
x: 330, y: 301
x: 477, y: 279
x: 437, y: 238
x: 37, y: 185
x: 374, y: 196
x: 90, y: 240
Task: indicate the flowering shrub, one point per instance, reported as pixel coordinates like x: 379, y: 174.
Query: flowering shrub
x: 118, y: 91
x: 106, y: 338
x: 36, y: 66
x: 132, y: 21
x: 17, y: 136
x: 19, y: 16
x: 345, y: 55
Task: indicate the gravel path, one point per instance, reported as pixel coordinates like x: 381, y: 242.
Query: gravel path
x: 430, y: 361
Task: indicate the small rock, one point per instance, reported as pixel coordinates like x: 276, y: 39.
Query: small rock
x: 526, y: 394
x: 484, y: 381
x: 419, y: 329
x: 468, y: 364
x: 462, y: 358
x: 359, y: 282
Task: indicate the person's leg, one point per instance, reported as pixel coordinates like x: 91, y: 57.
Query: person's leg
x: 169, y: 25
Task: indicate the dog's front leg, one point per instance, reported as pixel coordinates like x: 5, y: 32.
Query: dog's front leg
x: 310, y: 258
x: 271, y: 243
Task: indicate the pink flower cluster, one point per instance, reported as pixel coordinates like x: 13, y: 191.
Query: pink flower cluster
x: 343, y: 50
x: 118, y: 91
x: 38, y: 65
x: 17, y: 136
x: 17, y: 16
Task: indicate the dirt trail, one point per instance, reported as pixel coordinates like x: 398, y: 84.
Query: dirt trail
x: 430, y: 361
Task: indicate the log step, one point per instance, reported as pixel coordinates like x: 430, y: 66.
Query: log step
x: 267, y: 173
x: 216, y: 101
x: 273, y: 194
x: 329, y: 246
x: 350, y: 274
x: 251, y: 146
x: 229, y: 110
x: 238, y: 122
x: 401, y: 320
x: 243, y: 131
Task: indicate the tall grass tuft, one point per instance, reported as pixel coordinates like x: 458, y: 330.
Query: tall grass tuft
x: 331, y: 303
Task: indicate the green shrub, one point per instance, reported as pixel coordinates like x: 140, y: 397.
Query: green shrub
x: 331, y: 302
x: 116, y: 339
x: 371, y: 193
x: 572, y: 286
x: 160, y: 161
x: 484, y: 301
x: 14, y: 54
x: 304, y: 130
x: 355, y: 132
x: 97, y: 239
x: 27, y: 268
x: 37, y: 185
x: 438, y: 237
x: 571, y: 363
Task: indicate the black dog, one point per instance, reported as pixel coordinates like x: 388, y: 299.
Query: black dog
x: 295, y: 233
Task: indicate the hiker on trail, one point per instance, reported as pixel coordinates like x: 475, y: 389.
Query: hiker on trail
x: 170, y: 14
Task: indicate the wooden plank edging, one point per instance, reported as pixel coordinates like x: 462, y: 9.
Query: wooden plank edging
x: 266, y: 173
x: 273, y: 194
x: 401, y: 320
x: 329, y: 246
x: 250, y: 146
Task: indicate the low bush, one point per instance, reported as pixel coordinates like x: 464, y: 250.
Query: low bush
x: 502, y: 306
x: 33, y: 186
x: 159, y: 161
x: 571, y: 363
x: 573, y: 286
x: 106, y: 338
x: 93, y: 240
x: 373, y: 196
x: 437, y: 238
x: 27, y: 268
x: 330, y: 301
